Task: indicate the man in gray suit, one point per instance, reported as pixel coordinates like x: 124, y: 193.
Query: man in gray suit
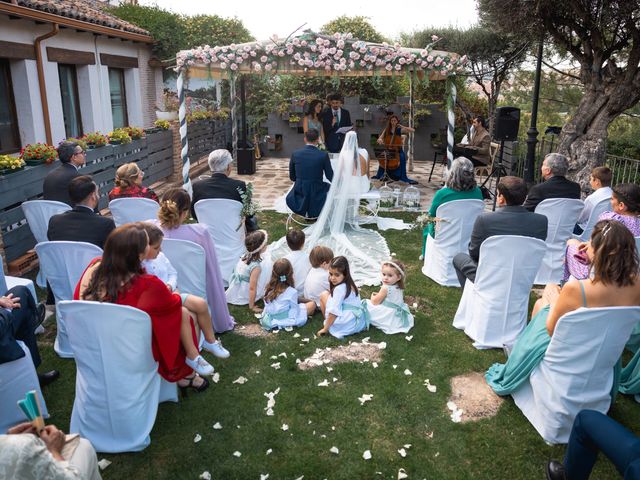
x: 511, y: 219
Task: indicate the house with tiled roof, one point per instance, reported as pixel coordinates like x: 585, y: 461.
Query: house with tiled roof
x: 68, y: 67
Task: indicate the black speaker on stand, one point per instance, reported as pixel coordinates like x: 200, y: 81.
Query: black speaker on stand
x: 505, y: 126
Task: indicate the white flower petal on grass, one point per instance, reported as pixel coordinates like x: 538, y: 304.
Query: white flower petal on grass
x: 367, y: 455
x: 305, y: 340
x: 269, y: 451
x: 284, y: 427
x: 300, y: 477
x: 365, y: 340
x: 264, y: 476
x: 324, y: 383
x: 407, y: 446
x: 333, y: 428
x: 407, y: 372
x: 288, y: 329
x: 273, y: 357
x: 393, y: 254
x: 394, y: 366
x: 329, y: 369
x: 334, y: 379
x: 258, y: 353
x: 104, y: 463
x: 237, y: 454
x: 334, y: 450
x: 215, y: 377
x: 197, y: 438
x: 276, y: 365
x: 402, y: 452
x: 415, y: 305
x: 382, y: 345
x: 432, y: 388
x: 374, y: 364
x: 283, y: 354
x: 217, y: 426
x: 408, y: 338
x: 452, y: 406
x: 402, y: 474
x: 205, y: 475
x: 366, y: 397
x: 296, y: 335
x: 456, y: 416
x: 240, y: 380
x: 269, y: 412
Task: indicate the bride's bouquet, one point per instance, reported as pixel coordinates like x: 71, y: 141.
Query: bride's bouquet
x: 249, y: 206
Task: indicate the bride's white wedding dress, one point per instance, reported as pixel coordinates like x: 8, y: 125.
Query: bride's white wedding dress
x: 337, y: 226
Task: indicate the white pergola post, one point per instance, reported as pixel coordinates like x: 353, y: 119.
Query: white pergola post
x: 184, y: 143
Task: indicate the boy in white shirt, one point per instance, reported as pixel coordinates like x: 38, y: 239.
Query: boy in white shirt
x: 601, y: 183
x: 298, y: 259
x: 317, y: 280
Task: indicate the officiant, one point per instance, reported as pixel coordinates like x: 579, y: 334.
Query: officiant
x: 306, y: 167
x: 333, y: 119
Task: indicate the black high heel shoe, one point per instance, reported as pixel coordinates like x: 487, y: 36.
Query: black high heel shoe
x: 184, y: 389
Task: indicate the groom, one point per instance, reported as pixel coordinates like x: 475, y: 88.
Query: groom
x: 334, y: 118
x: 306, y: 166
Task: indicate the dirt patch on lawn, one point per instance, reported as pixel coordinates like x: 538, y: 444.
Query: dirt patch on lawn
x: 471, y: 394
x: 354, y: 352
x: 251, y: 330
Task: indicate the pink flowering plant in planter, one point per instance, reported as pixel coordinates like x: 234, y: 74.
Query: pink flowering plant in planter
x: 95, y: 139
x: 38, y: 153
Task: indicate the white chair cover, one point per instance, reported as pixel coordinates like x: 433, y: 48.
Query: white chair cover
x: 188, y: 258
x: 562, y: 214
x: 452, y: 238
x: 598, y: 209
x: 493, y: 309
x: 222, y: 218
x: 576, y: 372
x: 117, y: 381
x: 127, y: 210
x: 7, y: 282
x: 16, y: 379
x: 63, y: 263
x: 38, y: 213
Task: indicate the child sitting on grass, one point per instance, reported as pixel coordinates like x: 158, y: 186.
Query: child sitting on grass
x: 317, y: 280
x: 298, y: 259
x: 387, y: 308
x: 243, y: 285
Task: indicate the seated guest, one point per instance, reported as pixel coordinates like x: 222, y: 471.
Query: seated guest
x: 19, y: 317
x: 625, y: 208
x: 477, y: 150
x: 82, y: 223
x: 299, y: 260
x: 174, y: 211
x: 220, y: 185
x: 56, y: 183
x: 460, y: 185
x: 556, y: 185
x: 128, y: 183
x: 318, y: 278
x: 28, y: 455
x: 511, y: 219
x: 118, y: 277
x: 306, y: 167
x: 600, y: 181
x: 593, y: 431
x: 615, y: 283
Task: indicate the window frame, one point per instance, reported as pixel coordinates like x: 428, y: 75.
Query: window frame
x: 75, y: 91
x: 5, y: 71
x: 120, y: 72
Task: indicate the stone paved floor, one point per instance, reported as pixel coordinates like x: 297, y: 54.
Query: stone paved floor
x: 271, y: 179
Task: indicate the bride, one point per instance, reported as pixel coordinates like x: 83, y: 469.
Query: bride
x: 337, y: 226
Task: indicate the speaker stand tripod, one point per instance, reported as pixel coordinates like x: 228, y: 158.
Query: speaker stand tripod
x: 497, y: 171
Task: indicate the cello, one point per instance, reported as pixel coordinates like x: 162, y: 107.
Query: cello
x: 389, y: 157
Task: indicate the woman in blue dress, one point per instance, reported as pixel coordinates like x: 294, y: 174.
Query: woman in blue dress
x: 615, y: 283
x: 312, y: 120
x: 391, y: 136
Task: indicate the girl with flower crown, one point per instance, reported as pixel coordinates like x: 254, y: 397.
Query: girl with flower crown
x: 387, y: 308
x: 248, y: 279
x: 281, y: 307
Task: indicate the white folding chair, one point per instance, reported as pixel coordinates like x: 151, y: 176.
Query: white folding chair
x: 452, y: 238
x: 128, y: 210
x: 189, y: 260
x: 16, y: 379
x: 562, y: 214
x: 117, y: 381
x: 493, y: 309
x: 576, y: 372
x: 38, y: 213
x: 7, y: 282
x: 63, y: 263
x: 222, y: 218
x: 599, y: 208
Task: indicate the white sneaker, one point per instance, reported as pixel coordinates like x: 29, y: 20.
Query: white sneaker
x: 216, y: 348
x: 200, y: 365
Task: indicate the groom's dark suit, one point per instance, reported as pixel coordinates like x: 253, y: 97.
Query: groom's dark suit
x: 334, y: 140
x: 309, y: 190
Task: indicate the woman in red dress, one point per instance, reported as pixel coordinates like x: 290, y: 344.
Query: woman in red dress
x: 128, y: 183
x: 118, y: 277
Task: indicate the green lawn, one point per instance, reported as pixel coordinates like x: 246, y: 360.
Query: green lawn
x: 402, y: 411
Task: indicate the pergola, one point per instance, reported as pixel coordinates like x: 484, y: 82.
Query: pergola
x: 312, y: 54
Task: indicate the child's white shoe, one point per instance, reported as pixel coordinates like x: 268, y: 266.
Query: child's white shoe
x: 200, y: 366
x: 216, y: 348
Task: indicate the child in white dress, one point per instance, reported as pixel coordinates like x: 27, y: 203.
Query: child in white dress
x: 387, y: 308
x: 343, y: 311
x: 243, y: 285
x: 298, y: 259
x: 156, y: 263
x: 317, y: 280
x: 281, y: 307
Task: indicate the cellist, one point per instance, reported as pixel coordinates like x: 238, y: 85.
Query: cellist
x: 391, y: 138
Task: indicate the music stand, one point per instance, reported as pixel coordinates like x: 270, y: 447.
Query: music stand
x: 497, y: 171
x: 383, y: 153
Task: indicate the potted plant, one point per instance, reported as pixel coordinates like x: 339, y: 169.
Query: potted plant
x: 293, y: 121
x: 170, y: 105
x: 95, y: 140
x: 119, y: 136
x: 135, y: 133
x: 221, y: 114
x: 79, y: 141
x: 162, y: 124
x: 10, y: 164
x: 38, y: 153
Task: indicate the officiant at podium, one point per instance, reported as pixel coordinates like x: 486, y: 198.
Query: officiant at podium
x: 333, y: 119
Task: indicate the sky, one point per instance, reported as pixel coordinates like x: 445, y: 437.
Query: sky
x: 263, y: 18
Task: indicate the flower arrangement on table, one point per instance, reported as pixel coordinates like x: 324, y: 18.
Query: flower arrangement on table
x: 316, y: 52
x: 95, y: 140
x: 136, y: 133
x: 119, y: 136
x: 9, y: 163
x: 162, y: 124
x: 249, y: 206
x: 38, y: 153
